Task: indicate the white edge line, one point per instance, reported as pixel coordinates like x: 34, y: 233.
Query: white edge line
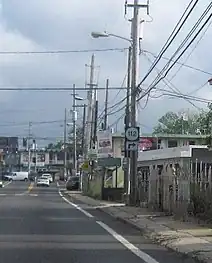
x: 76, y: 206
x: 7, y: 183
x: 135, y: 250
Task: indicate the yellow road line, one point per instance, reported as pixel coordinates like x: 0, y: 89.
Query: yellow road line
x: 30, y: 187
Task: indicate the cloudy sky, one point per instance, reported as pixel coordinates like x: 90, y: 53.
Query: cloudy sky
x: 55, y: 25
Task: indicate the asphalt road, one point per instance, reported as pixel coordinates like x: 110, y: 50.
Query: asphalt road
x: 38, y: 225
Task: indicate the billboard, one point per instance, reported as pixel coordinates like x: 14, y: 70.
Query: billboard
x: 104, y: 140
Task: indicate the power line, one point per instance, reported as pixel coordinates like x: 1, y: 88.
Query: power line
x: 60, y: 51
x: 169, y: 84
x: 155, y: 82
x: 33, y: 123
x: 171, y: 38
x: 180, y: 63
x: 159, y: 78
x: 2, y: 88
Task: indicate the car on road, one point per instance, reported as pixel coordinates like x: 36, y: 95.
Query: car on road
x: 49, y: 176
x: 1, y: 184
x: 18, y: 176
x: 73, y: 183
x: 44, y: 181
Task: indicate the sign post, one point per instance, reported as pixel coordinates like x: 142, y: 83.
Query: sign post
x: 131, y: 140
x: 132, y: 136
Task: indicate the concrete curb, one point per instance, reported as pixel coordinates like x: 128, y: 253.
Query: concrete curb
x: 153, y: 237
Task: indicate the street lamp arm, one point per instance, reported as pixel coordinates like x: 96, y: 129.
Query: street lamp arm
x: 106, y: 34
x: 124, y: 38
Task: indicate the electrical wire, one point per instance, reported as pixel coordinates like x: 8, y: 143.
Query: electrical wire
x: 155, y: 82
x: 60, y: 51
x: 183, y: 64
x: 176, y: 60
x: 171, y: 38
x: 11, y: 124
x: 169, y: 84
x: 190, y: 53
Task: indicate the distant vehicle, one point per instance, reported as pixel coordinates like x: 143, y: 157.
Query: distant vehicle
x: 73, y: 183
x: 49, y: 176
x: 18, y: 176
x: 1, y: 184
x: 44, y: 181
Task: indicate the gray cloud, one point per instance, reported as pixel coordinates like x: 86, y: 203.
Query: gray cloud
x: 55, y: 25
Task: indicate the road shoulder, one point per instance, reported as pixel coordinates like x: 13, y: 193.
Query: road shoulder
x: 186, y: 238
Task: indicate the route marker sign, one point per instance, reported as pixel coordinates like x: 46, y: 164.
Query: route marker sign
x: 132, y: 136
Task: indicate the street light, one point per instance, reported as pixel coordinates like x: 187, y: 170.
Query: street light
x: 105, y: 34
x: 128, y: 118
x: 78, y: 98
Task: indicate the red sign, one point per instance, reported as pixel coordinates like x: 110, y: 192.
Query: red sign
x: 146, y: 143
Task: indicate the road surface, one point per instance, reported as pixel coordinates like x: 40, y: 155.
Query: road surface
x: 40, y: 225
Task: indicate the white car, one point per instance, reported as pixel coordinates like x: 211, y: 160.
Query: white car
x: 1, y: 184
x: 44, y: 181
x: 49, y: 176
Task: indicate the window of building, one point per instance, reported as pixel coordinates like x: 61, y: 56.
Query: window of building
x: 191, y: 142
x: 172, y: 143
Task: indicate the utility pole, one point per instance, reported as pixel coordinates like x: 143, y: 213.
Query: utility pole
x: 74, y: 129
x: 90, y: 97
x: 106, y: 104
x: 83, y: 129
x: 28, y: 147
x: 135, y: 53
x: 65, y: 139
x: 127, y: 124
x: 34, y: 154
x: 95, y: 124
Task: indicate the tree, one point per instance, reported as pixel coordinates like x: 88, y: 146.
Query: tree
x: 174, y: 123
x: 56, y: 147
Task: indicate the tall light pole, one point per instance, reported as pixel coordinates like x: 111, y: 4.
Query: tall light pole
x: 134, y: 154
x: 135, y: 65
x: 127, y: 118
x: 74, y: 119
x: 134, y: 41
x: 90, y: 109
x: 65, y: 146
x: 28, y: 147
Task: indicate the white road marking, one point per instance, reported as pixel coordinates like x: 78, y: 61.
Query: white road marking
x: 7, y: 183
x: 3, y: 194
x: 76, y: 206
x: 135, y: 250
x: 58, y: 185
x: 20, y: 194
x: 33, y: 195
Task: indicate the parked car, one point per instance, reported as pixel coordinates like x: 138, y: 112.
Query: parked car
x: 73, y: 183
x: 49, y: 176
x: 43, y: 181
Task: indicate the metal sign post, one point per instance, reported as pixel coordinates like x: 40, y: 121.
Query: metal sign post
x: 132, y: 136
